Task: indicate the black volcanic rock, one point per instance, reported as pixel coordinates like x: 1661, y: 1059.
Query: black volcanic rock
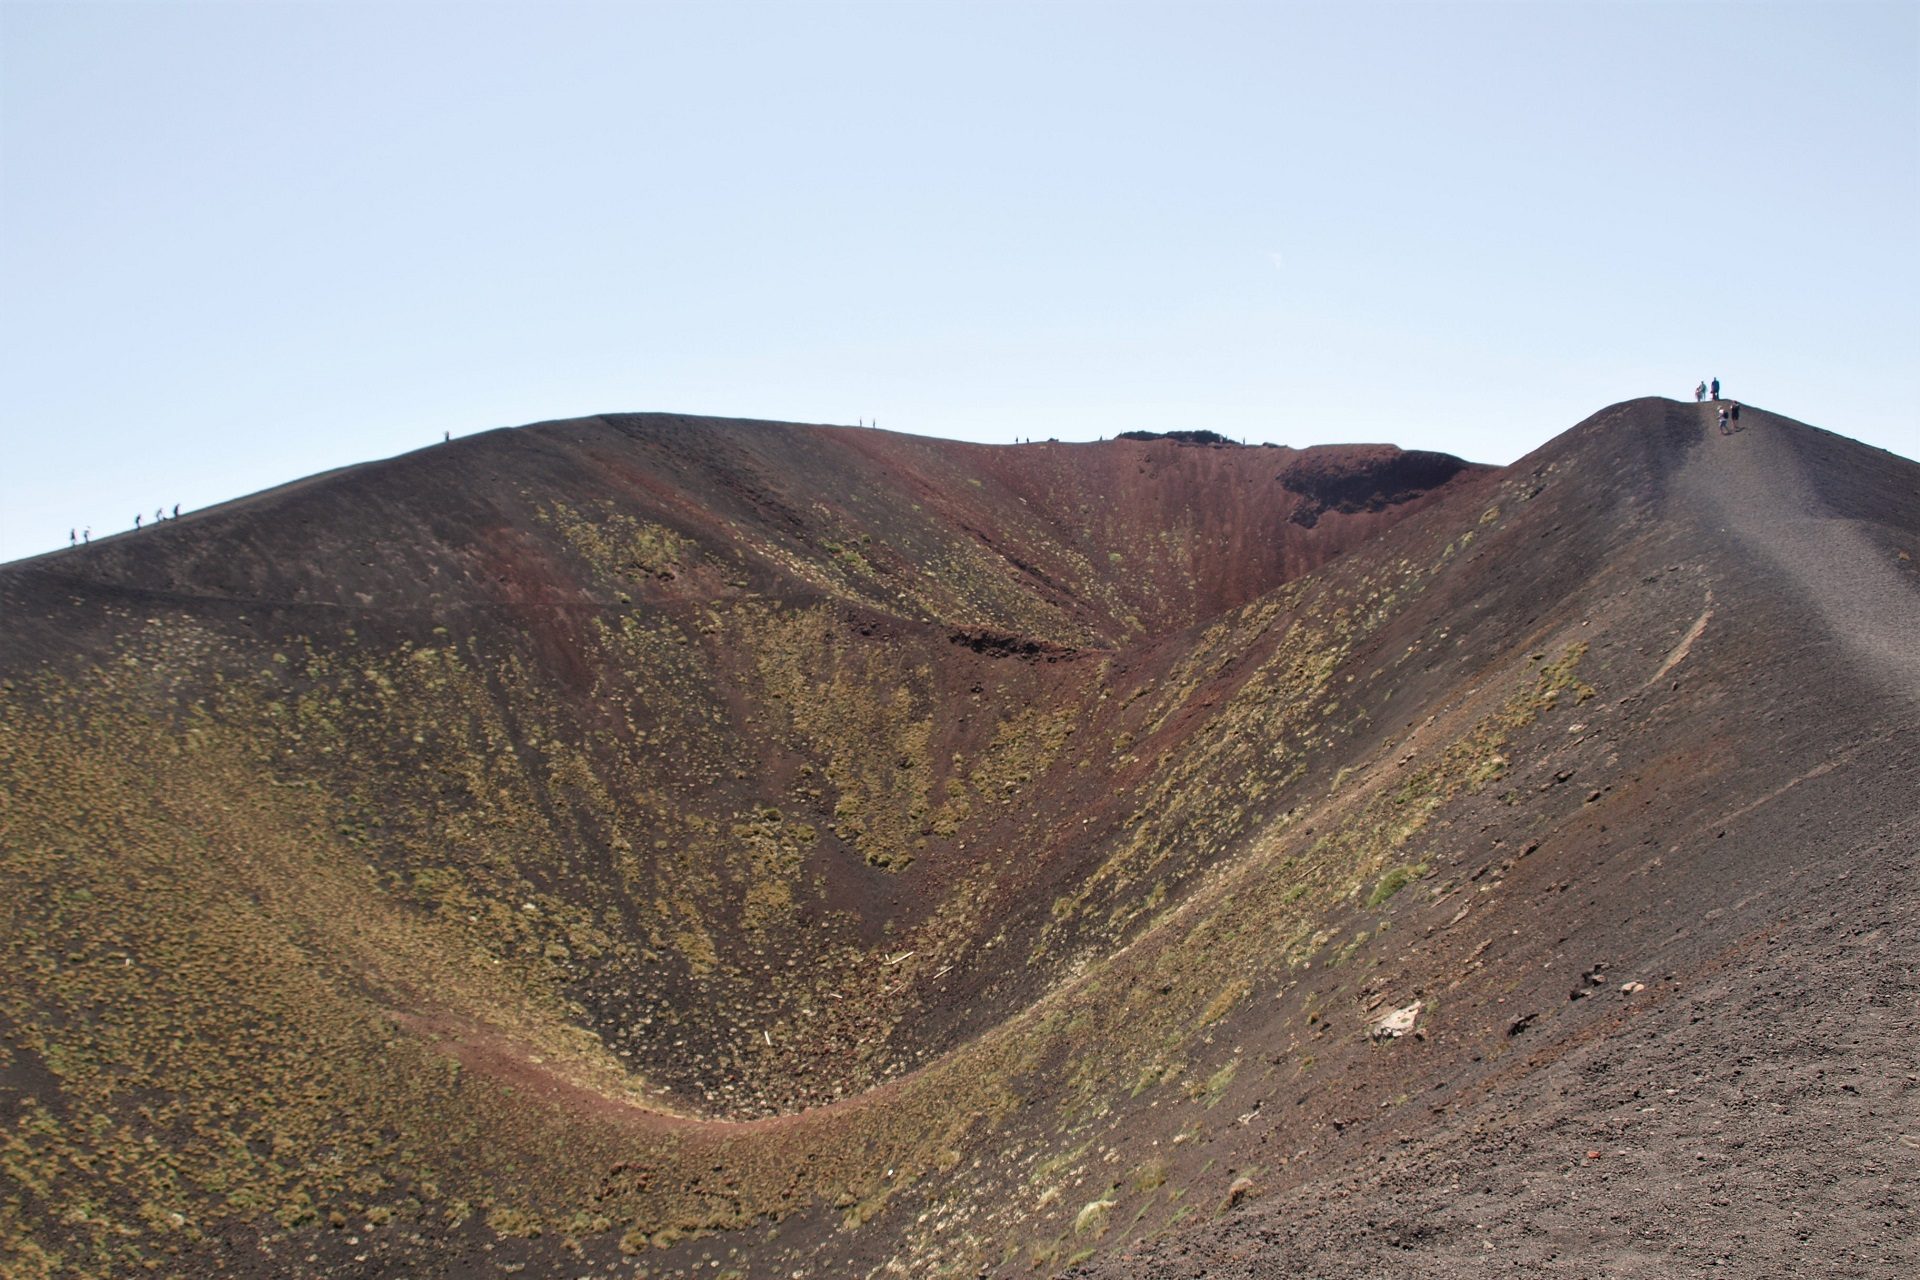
x: 1178, y: 437
x: 1350, y: 479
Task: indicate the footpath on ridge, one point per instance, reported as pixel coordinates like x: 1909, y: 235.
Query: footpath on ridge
x: 1752, y: 485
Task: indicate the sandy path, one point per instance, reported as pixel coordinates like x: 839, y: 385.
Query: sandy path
x: 1750, y: 486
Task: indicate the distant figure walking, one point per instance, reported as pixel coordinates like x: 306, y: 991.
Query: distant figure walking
x: 159, y: 514
x: 176, y: 511
x: 136, y: 519
x: 446, y: 437
x: 73, y: 537
x: 1715, y: 388
x: 1723, y: 423
x: 1733, y: 414
x: 86, y: 536
x: 1700, y: 393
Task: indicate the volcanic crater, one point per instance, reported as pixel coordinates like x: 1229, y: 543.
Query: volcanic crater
x: 651, y: 844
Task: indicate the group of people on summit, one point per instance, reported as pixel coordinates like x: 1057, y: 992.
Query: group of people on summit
x: 1729, y: 412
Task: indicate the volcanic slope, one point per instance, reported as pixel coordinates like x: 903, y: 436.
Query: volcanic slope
x: 712, y: 767
x: 1668, y: 962
x: 689, y: 846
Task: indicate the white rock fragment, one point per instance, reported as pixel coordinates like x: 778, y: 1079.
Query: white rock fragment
x: 1397, y: 1023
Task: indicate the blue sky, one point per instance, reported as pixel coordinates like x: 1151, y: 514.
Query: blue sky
x: 243, y: 242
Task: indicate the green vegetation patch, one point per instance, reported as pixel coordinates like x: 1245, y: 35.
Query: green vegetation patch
x: 1394, y: 881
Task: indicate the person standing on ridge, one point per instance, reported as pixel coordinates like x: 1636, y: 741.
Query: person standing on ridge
x: 1733, y: 414
x: 176, y: 511
x: 1715, y: 388
x: 73, y: 538
x: 1723, y: 423
x: 136, y: 520
x: 86, y: 536
x: 1700, y: 393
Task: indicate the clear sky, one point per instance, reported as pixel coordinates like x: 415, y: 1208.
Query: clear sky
x: 243, y: 242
